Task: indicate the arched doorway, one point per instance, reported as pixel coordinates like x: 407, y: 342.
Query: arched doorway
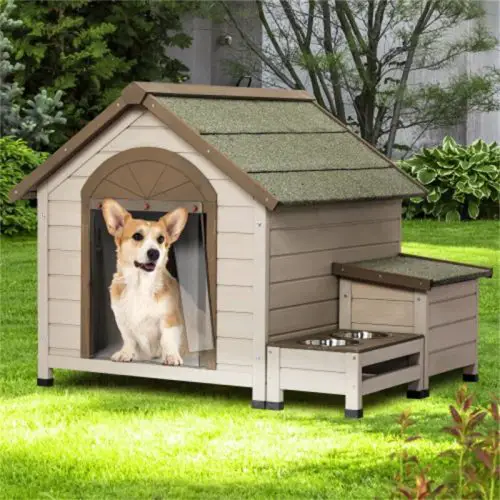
x: 148, y: 182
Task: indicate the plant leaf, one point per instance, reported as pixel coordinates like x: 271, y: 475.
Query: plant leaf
x: 484, y: 458
x: 452, y: 216
x: 473, y: 209
x: 426, y: 176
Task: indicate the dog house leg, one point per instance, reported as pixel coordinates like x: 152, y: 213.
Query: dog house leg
x: 470, y: 373
x: 354, y: 394
x: 45, y: 375
x: 274, y: 395
x: 420, y: 388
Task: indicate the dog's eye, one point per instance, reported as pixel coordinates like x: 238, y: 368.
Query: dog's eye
x: 160, y: 239
x: 137, y: 236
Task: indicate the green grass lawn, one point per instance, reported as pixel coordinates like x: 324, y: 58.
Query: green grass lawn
x: 96, y: 436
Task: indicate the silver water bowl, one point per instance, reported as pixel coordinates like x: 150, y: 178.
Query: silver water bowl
x: 329, y: 342
x: 360, y: 335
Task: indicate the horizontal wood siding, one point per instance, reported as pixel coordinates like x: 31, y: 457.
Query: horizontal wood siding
x: 235, y: 226
x: 312, y: 381
x: 235, y: 351
x: 452, y: 358
x: 453, y: 291
x: 313, y: 360
x: 382, y: 312
x: 374, y: 292
x: 452, y: 334
x: 450, y: 311
x: 304, y: 241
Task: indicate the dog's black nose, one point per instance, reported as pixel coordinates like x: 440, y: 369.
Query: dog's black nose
x: 153, y: 254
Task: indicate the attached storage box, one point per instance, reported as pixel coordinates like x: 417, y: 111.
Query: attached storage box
x: 438, y: 299
x: 344, y: 362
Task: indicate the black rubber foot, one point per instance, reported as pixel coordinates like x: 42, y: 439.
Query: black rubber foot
x: 275, y: 406
x: 469, y: 377
x: 418, y: 394
x: 44, y: 382
x: 259, y: 405
x: 353, y: 413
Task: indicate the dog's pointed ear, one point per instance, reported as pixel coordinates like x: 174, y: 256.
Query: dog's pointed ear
x: 175, y: 222
x: 115, y: 216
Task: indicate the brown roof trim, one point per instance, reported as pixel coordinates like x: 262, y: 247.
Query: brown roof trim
x: 224, y: 92
x: 69, y: 149
x: 356, y: 272
x: 374, y: 150
x: 133, y: 93
x: 210, y: 153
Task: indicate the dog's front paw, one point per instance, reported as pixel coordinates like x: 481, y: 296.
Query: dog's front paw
x: 124, y: 356
x: 173, y: 359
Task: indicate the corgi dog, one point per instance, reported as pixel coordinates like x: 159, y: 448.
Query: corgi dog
x: 145, y: 298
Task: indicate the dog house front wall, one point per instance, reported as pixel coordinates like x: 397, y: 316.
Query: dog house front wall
x: 241, y: 251
x: 303, y: 243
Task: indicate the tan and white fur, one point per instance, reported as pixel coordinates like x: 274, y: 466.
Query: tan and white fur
x: 145, y: 298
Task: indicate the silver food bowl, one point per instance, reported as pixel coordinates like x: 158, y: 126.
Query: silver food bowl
x: 329, y: 342
x: 361, y: 335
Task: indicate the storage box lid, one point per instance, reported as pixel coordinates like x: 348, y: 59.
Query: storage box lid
x: 410, y: 272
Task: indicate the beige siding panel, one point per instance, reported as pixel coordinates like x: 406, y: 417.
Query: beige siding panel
x: 382, y: 328
x: 92, y: 164
x: 234, y: 325
x: 64, y: 287
x: 325, y: 238
x: 312, y: 381
x: 208, y: 169
x: 235, y: 246
x: 365, y: 291
x: 64, y: 312
x: 303, y: 333
x: 392, y: 379
x: 234, y: 351
x: 67, y: 353
x: 67, y: 263
x: 391, y: 352
x: 235, y: 298
x: 64, y: 336
x: 230, y: 194
x: 313, y: 360
x: 148, y: 120
x: 450, y: 359
x: 235, y: 220
x: 303, y: 317
x: 307, y: 265
x: 452, y: 310
x: 153, y: 370
x: 69, y: 190
x: 235, y: 272
x: 222, y: 367
x: 92, y: 149
x: 137, y: 137
x: 382, y: 312
x: 335, y: 214
x: 443, y: 337
x: 64, y: 238
x: 453, y: 291
x: 292, y: 293
x: 65, y: 213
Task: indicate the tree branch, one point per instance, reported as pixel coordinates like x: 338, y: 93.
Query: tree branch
x: 419, y: 28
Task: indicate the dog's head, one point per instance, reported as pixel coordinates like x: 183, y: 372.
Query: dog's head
x: 140, y: 243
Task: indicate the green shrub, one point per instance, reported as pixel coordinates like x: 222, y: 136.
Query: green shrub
x: 17, y: 160
x: 462, y: 182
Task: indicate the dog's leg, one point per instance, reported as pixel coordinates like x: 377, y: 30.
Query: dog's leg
x: 128, y: 352
x: 171, y: 336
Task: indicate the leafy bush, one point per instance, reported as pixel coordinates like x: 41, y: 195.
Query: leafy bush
x: 474, y: 470
x: 16, y: 160
x: 463, y: 182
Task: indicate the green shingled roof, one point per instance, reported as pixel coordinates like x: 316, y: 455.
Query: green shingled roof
x: 439, y: 272
x: 293, y: 149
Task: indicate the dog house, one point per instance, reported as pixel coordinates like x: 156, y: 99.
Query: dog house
x: 277, y: 190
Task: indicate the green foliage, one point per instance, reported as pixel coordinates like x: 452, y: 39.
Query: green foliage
x: 474, y: 471
x: 17, y: 159
x: 92, y: 49
x: 462, y: 182
x: 31, y: 119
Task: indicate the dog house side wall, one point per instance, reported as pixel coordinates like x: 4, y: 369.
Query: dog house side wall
x: 236, y: 248
x: 304, y: 241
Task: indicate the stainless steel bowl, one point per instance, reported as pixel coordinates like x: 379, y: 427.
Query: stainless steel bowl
x: 362, y: 335
x: 329, y: 342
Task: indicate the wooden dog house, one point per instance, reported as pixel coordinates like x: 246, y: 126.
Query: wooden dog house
x: 278, y: 190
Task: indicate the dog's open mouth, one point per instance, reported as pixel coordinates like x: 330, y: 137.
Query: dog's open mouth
x: 147, y: 266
